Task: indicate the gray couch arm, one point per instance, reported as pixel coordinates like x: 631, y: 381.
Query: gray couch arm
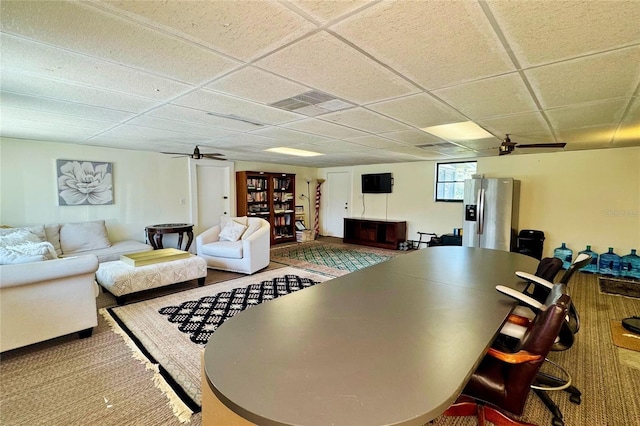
x: 47, y: 270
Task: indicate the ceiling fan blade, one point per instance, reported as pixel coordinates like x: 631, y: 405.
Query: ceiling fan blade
x: 543, y: 145
x: 213, y: 156
x: 503, y: 152
x: 176, y: 153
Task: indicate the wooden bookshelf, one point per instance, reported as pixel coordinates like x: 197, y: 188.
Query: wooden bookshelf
x: 270, y: 196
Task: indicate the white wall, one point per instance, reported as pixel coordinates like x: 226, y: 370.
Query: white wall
x: 580, y: 197
x: 147, y: 187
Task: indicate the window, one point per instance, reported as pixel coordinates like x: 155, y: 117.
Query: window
x: 450, y: 179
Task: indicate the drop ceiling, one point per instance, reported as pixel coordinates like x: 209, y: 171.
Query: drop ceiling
x: 353, y: 80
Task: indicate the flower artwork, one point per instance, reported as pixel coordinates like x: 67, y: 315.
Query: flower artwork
x: 84, y: 183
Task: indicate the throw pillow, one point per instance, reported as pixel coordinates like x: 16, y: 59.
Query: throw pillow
x: 224, y: 220
x: 253, y: 227
x: 232, y: 231
x: 52, y: 232
x: 83, y: 236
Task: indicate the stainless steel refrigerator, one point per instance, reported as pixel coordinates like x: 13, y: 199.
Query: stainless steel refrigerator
x: 490, y: 214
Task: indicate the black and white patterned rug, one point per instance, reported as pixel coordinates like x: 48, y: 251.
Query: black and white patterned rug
x: 200, y: 318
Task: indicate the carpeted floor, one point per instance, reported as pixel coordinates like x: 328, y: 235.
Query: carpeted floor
x: 96, y: 381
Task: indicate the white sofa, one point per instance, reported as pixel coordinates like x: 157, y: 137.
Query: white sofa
x: 43, y: 300
x: 248, y: 254
x: 47, y: 279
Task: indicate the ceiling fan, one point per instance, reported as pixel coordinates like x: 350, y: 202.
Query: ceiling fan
x: 507, y: 146
x: 197, y: 155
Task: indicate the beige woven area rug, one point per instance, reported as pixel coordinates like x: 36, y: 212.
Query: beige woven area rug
x: 170, y: 352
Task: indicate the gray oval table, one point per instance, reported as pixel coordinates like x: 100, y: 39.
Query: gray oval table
x: 392, y: 344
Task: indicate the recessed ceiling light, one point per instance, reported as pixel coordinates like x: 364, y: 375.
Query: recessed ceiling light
x: 458, y: 132
x: 293, y: 151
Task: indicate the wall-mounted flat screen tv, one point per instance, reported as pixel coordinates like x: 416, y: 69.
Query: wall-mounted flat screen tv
x: 377, y: 183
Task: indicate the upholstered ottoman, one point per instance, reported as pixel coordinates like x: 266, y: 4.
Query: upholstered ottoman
x: 121, y: 279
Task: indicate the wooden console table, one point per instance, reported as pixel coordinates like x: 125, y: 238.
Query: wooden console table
x: 375, y: 232
x: 155, y: 233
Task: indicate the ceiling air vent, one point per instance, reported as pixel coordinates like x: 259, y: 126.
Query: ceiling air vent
x: 435, y: 146
x: 312, y: 103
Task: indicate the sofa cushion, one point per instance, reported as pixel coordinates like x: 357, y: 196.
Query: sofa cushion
x: 225, y: 249
x: 52, y: 232
x: 83, y: 236
x: 117, y: 249
x: 232, y: 231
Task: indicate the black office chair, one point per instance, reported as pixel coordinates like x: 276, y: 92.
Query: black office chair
x: 501, y: 383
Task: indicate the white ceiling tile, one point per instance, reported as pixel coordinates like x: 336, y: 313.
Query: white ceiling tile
x: 502, y: 95
x: 83, y: 131
x: 436, y: 43
x: 597, y: 136
x: 363, y: 119
x: 329, y: 65
x: 319, y: 127
x: 588, y: 79
x: 25, y: 129
x: 129, y: 44
x: 131, y: 132
x: 375, y: 142
x: 546, y: 31
x: 245, y: 139
x: 198, y: 116
x: 282, y: 134
x: 325, y: 11
x: 257, y: 85
x: 32, y: 103
x: 589, y: 114
x: 337, y: 146
x: 53, y: 119
x: 241, y: 29
x: 413, y: 137
x: 515, y: 124
x: 481, y: 144
x: 33, y: 85
x: 419, y: 110
x: 226, y: 105
x: 179, y: 126
x: 23, y: 56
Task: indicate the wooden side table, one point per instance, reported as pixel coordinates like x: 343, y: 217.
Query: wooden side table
x: 155, y: 233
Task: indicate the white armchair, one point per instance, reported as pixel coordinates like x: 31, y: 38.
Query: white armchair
x: 247, y: 255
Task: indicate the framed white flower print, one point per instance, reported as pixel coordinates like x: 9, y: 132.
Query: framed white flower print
x: 84, y: 183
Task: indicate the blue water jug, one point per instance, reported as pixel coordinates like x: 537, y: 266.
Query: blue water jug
x: 565, y: 254
x: 609, y: 263
x: 630, y: 265
x: 591, y: 268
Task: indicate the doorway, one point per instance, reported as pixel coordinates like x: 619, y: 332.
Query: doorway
x: 337, y: 193
x: 211, y: 189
